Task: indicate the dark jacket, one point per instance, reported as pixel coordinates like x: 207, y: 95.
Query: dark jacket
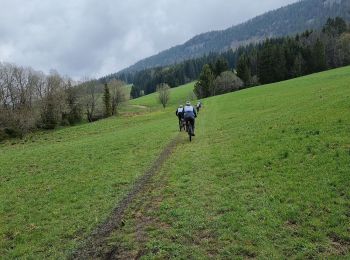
x: 190, y: 111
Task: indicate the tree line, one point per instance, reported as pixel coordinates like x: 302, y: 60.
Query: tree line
x: 280, y: 59
x: 146, y: 81
x: 31, y: 100
x: 265, y: 62
x: 287, y: 20
x: 289, y: 57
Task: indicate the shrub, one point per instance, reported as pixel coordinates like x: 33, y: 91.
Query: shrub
x: 227, y: 82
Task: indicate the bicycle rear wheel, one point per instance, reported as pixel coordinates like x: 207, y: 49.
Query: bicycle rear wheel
x: 190, y: 132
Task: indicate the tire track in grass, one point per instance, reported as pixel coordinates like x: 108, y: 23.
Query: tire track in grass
x: 139, y: 216
x: 93, y: 246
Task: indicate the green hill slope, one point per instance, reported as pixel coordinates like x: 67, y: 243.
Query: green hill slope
x: 55, y: 187
x: 178, y: 96
x: 148, y: 103
x: 267, y: 175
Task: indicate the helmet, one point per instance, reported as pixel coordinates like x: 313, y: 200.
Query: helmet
x: 181, y: 106
x: 188, y: 103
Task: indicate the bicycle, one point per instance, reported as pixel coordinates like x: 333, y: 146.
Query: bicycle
x: 189, y: 129
x: 182, y: 124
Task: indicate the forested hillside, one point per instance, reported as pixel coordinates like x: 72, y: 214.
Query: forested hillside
x: 271, y: 60
x: 298, y: 17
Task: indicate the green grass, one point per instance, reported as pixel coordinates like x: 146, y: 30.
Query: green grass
x: 127, y: 89
x: 266, y: 176
x: 55, y: 187
x: 178, y: 95
x: 150, y: 103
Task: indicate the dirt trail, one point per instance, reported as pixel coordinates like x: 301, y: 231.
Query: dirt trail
x: 139, y: 106
x: 93, y: 247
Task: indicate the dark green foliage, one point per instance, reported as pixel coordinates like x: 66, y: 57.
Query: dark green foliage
x: 272, y: 62
x: 297, y: 67
x: 107, y: 101
x: 319, y: 56
x: 265, y: 64
x: 285, y: 58
x: 220, y: 66
x: 243, y: 69
x: 10, y: 133
x: 205, y: 85
x: 3, y: 135
x: 334, y: 27
x: 135, y: 92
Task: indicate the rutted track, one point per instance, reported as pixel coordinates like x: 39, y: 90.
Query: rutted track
x: 93, y: 246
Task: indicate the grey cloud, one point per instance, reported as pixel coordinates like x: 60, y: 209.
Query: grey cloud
x: 93, y: 38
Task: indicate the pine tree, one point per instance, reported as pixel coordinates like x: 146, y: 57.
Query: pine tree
x: 243, y: 69
x: 279, y: 64
x: 220, y: 66
x: 135, y: 92
x: 265, y: 63
x: 335, y: 27
x: 319, y: 56
x: 204, y: 86
x: 107, y: 101
x: 297, y: 69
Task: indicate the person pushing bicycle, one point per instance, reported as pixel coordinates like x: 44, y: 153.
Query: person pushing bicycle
x: 190, y: 114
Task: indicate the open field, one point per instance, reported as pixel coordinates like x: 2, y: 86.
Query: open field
x: 55, y: 187
x: 178, y: 96
x: 267, y: 175
x: 150, y: 102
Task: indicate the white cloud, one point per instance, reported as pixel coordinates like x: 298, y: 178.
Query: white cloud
x: 93, y: 38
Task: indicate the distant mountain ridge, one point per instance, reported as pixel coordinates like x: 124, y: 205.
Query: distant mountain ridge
x: 291, y: 19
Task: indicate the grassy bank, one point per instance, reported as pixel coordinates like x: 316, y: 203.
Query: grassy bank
x: 267, y: 176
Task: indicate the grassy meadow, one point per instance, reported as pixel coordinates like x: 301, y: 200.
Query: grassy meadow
x: 178, y: 96
x: 55, y: 187
x: 267, y: 176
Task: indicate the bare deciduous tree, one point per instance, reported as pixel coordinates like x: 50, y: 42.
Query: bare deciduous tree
x: 29, y: 99
x: 118, y: 94
x: 90, y: 98
x: 163, y: 94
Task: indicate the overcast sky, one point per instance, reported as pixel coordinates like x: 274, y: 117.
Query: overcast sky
x: 93, y: 38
